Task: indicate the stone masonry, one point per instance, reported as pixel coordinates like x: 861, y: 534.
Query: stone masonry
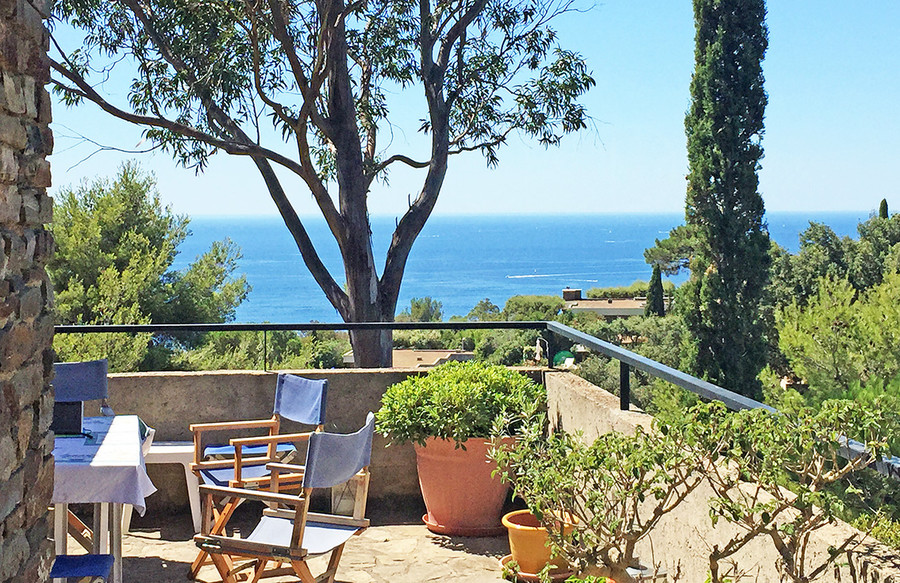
x: 26, y: 323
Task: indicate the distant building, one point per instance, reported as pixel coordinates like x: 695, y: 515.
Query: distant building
x: 410, y: 358
x: 606, y: 307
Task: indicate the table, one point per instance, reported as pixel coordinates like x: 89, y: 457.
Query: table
x: 107, y: 468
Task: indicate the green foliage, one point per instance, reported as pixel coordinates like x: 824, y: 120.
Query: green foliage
x: 863, y: 262
x: 766, y: 452
x: 657, y: 338
x: 458, y: 400
x: 656, y: 303
x: 505, y: 347
x: 612, y: 492
x: 883, y: 209
x: 676, y: 251
x: 422, y: 310
x: 637, y: 289
x: 729, y: 267
x: 115, y: 244
x: 840, y: 338
x: 531, y: 308
x: 484, y: 311
x: 283, y: 350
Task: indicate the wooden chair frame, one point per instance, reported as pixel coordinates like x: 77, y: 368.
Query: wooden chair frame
x: 223, y: 550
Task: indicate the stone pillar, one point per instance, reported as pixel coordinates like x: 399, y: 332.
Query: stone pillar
x: 26, y: 324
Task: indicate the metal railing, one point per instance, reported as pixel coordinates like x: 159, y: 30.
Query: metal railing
x: 549, y: 330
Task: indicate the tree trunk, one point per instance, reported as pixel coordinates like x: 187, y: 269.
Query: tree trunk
x: 372, y: 348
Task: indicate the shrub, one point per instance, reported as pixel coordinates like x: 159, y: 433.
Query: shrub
x: 458, y: 400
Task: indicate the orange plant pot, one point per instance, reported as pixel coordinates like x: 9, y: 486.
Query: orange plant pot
x: 528, y: 542
x: 461, y: 496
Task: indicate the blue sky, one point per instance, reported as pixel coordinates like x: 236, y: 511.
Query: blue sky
x: 832, y: 138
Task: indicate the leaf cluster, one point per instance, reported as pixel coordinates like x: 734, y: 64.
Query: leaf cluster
x: 115, y: 246
x: 458, y: 401
x: 773, y: 479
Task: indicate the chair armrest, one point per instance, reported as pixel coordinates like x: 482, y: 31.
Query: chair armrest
x: 279, y: 466
x: 216, y: 464
x: 268, y: 439
x: 224, y: 425
x: 337, y: 519
x: 260, y: 495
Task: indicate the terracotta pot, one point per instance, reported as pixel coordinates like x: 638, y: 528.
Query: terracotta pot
x: 528, y: 542
x: 461, y: 496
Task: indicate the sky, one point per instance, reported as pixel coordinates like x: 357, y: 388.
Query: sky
x: 832, y: 137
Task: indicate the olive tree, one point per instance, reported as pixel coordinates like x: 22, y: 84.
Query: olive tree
x: 306, y: 88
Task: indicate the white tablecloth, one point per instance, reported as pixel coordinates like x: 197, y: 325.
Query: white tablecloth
x: 106, y: 468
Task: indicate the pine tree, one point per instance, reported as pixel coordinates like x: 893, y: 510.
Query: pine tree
x: 655, y: 305
x: 883, y: 209
x: 724, y: 127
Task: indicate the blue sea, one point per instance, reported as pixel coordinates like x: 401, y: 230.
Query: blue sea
x: 460, y: 260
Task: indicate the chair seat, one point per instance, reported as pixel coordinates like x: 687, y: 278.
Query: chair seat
x: 222, y: 476
x: 75, y: 566
x: 213, y: 451
x: 318, y: 537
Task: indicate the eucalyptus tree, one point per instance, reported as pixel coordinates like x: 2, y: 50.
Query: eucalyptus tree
x: 210, y: 76
x: 724, y: 210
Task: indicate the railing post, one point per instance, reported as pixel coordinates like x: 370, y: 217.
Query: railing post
x: 624, y: 386
x: 265, y: 350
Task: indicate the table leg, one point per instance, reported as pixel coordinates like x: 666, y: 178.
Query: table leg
x: 193, y: 488
x: 115, y: 527
x: 60, y: 530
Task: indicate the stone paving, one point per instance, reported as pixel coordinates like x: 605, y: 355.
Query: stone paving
x: 162, y: 551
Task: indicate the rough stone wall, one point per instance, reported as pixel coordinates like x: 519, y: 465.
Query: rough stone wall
x: 26, y: 326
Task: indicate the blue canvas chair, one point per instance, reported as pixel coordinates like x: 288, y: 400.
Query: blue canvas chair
x: 78, y: 567
x: 243, y: 462
x: 287, y: 534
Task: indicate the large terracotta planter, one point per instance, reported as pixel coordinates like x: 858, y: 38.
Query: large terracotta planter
x: 461, y: 496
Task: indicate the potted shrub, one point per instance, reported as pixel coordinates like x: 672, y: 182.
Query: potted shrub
x: 531, y: 551
x: 616, y: 489
x: 453, y: 415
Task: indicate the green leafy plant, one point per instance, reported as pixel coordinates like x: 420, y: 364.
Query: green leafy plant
x: 777, y: 476
x: 457, y: 401
x: 612, y: 492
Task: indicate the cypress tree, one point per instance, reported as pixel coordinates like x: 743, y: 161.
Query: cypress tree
x: 724, y: 127
x: 883, y: 209
x: 655, y: 305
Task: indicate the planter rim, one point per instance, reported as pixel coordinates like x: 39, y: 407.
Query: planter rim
x: 508, y: 520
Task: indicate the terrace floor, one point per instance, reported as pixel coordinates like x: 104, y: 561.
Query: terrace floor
x: 394, y: 550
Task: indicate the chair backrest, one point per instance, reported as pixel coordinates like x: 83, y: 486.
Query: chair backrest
x: 80, y: 381
x: 301, y: 400
x: 334, y: 458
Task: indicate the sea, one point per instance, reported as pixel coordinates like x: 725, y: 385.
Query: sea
x: 460, y: 260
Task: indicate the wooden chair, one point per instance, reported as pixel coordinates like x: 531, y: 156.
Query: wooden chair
x: 287, y: 533
x: 244, y: 462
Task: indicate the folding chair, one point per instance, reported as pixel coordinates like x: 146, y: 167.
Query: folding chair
x: 287, y: 533
x: 243, y: 462
x: 296, y: 398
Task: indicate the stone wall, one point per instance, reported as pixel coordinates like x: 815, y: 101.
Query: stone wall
x: 26, y: 326
x: 170, y: 401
